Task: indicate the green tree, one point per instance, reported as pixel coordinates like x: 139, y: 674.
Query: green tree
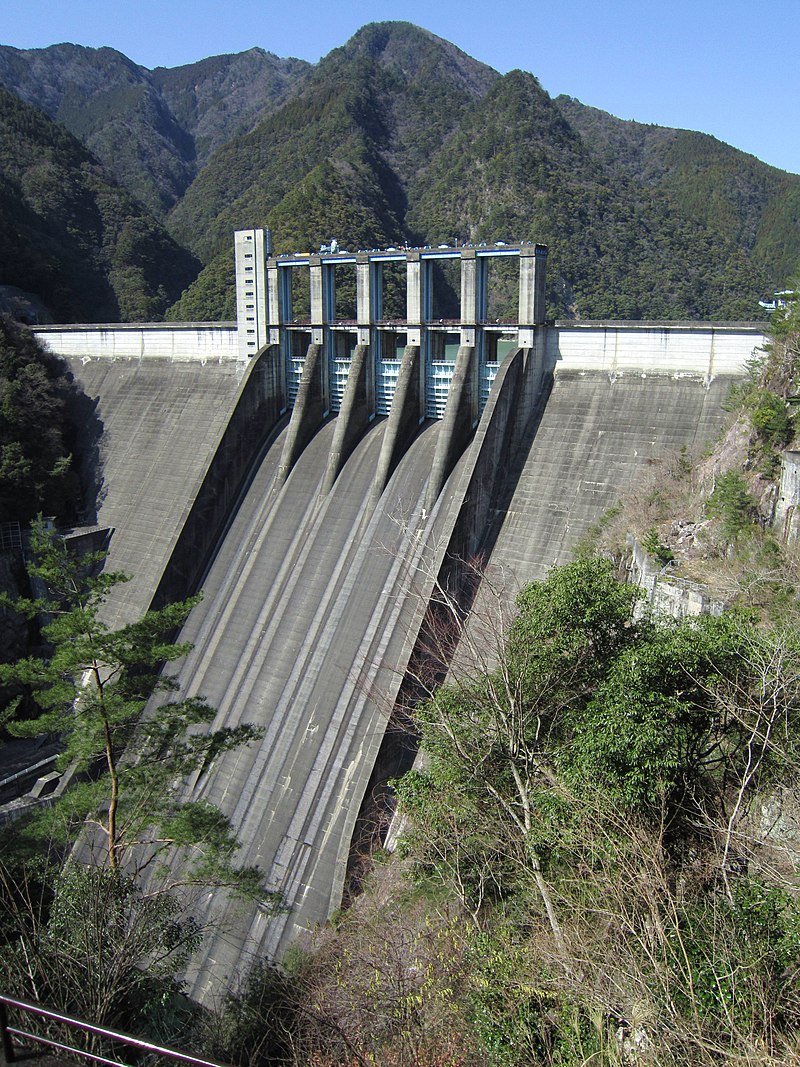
x: 103, y: 932
x: 37, y: 437
x: 665, y: 727
x: 732, y: 503
x: 92, y: 688
x: 92, y: 942
x: 487, y: 805
x: 590, y: 793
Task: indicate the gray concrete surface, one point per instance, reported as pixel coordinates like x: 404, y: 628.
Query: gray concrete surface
x: 162, y: 423
x: 355, y: 415
x: 404, y: 419
x: 301, y: 628
x: 595, y: 437
x: 309, y: 410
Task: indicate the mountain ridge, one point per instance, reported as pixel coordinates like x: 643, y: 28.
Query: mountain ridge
x: 72, y: 237
x: 399, y: 136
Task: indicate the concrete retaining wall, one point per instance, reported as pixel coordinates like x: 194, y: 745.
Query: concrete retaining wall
x: 204, y: 342
x: 706, y: 349
x: 665, y: 593
x: 177, y: 441
x: 254, y: 420
x: 598, y: 435
x: 787, y: 512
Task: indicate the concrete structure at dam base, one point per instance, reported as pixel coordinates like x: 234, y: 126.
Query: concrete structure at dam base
x: 317, y: 519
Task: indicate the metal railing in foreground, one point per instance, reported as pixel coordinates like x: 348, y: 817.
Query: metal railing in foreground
x: 9, y: 1052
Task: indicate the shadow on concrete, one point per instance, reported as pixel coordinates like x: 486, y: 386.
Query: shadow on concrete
x: 85, y: 430
x: 433, y: 653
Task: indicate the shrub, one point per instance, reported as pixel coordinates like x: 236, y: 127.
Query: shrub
x: 732, y: 503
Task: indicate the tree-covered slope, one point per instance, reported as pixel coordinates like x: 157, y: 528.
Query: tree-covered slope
x: 732, y: 193
x: 47, y: 427
x: 111, y: 105
x: 336, y: 197
x: 381, y: 106
x: 153, y: 130
x: 68, y: 234
x: 619, y: 249
x: 224, y: 96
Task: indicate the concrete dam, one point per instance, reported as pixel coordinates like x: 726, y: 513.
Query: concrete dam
x: 316, y: 475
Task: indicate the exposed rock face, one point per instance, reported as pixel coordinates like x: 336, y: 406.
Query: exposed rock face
x: 730, y: 454
x: 787, y: 513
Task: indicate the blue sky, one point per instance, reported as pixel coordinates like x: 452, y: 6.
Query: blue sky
x: 726, y: 68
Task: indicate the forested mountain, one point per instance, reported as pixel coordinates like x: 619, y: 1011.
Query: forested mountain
x: 618, y: 249
x: 72, y: 237
x: 152, y: 129
x: 107, y: 102
x: 224, y: 96
x: 727, y: 190
x: 337, y: 158
x: 398, y: 136
x: 369, y: 119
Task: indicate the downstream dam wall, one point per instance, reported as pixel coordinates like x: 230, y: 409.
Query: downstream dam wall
x: 597, y: 437
x: 317, y: 559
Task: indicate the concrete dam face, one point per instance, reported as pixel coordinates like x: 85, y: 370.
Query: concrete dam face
x: 313, y: 601
x: 316, y: 488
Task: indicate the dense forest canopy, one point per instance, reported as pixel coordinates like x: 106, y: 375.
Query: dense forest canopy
x: 47, y: 430
x: 70, y: 235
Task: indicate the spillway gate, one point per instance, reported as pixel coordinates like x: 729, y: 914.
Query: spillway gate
x: 388, y: 300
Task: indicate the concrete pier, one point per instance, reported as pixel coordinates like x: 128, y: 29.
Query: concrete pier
x: 274, y: 301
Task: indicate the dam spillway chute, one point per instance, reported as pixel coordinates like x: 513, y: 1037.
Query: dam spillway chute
x: 288, y: 642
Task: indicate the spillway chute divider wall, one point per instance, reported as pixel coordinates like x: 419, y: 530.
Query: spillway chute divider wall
x: 256, y: 415
x: 443, y: 557
x: 354, y: 417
